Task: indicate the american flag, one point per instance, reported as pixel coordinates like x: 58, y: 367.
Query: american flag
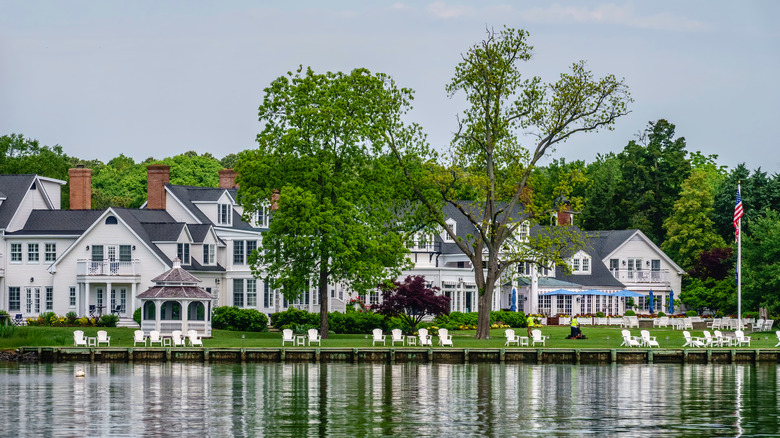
x: 737, y: 215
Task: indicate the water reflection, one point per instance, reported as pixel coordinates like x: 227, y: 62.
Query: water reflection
x: 388, y: 400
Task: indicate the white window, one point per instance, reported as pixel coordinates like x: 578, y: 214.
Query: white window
x: 580, y: 263
x: 32, y: 253
x: 183, y: 252
x: 452, y: 225
x: 16, y: 253
x: 224, y: 214
x: 14, y: 298
x: 72, y: 297
x: 522, y: 231
x: 209, y: 253
x: 262, y: 216
x: 238, y: 252
x: 251, y: 292
x: 50, y: 254
x: 49, y: 298
x: 238, y: 292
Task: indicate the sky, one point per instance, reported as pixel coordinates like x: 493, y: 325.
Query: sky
x: 158, y: 78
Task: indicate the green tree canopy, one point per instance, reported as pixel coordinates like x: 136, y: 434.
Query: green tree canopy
x: 487, y: 152
x: 761, y: 263
x: 337, y: 215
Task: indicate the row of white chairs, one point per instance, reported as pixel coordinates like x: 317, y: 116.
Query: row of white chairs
x: 643, y: 340
x: 536, y: 338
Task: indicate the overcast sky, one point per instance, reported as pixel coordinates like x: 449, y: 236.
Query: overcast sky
x: 158, y: 78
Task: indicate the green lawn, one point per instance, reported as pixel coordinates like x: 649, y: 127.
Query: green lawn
x: 598, y: 337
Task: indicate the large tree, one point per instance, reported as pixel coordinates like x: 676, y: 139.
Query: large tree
x: 761, y: 262
x: 487, y: 151
x: 652, y: 171
x: 411, y: 300
x: 337, y: 215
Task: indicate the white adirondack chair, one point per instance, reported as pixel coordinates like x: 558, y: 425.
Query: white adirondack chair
x: 194, y: 338
x: 287, y: 336
x: 177, y: 338
x: 79, y: 339
x: 445, y: 338
x: 720, y: 339
x: 377, y: 336
x: 139, y: 338
x: 103, y: 338
x: 511, y: 338
x: 425, y: 338
x: 537, y: 338
x: 647, y: 340
x: 155, y: 338
x: 628, y: 340
x: 314, y: 336
x: 777, y: 333
x: 741, y: 338
x: 397, y: 336
x: 690, y: 342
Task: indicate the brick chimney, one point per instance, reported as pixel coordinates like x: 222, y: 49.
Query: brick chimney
x: 564, y: 215
x: 275, y: 200
x: 227, y: 179
x: 80, y: 179
x: 156, y: 177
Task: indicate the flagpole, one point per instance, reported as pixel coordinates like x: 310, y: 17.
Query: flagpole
x: 739, y: 264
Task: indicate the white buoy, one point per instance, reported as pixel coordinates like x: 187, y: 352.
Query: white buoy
x: 80, y: 373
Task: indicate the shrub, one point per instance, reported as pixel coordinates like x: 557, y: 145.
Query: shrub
x: 660, y: 314
x: 5, y: 318
x: 691, y: 313
x: 72, y: 317
x: 47, y: 319
x: 108, y: 321
x: 512, y: 319
x: 629, y: 313
x: 137, y: 316
x: 292, y: 316
x: 599, y: 314
x: 235, y: 319
x: 456, y: 319
x: 356, y: 322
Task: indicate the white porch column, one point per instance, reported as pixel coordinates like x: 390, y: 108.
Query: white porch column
x: 534, y: 294
x: 133, y: 291
x: 553, y: 305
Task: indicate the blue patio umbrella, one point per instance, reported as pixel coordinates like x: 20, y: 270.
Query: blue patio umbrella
x: 650, y: 302
x: 671, y: 301
x: 514, y: 300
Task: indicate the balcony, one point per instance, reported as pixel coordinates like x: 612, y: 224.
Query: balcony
x: 627, y: 276
x: 90, y: 268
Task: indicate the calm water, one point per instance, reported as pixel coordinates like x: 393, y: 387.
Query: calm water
x: 388, y: 400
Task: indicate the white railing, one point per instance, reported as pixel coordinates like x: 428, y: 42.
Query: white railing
x: 95, y: 268
x: 643, y: 276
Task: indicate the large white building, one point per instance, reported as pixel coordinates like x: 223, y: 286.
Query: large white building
x: 97, y: 261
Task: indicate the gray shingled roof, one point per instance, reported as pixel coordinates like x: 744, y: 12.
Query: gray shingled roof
x: 141, y: 220
x: 163, y: 231
x: 198, y: 232
x: 600, y: 244
x: 64, y: 222
x: 189, y: 194
x: 14, y: 188
x: 191, y: 292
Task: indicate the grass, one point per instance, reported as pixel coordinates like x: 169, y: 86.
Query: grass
x: 598, y: 337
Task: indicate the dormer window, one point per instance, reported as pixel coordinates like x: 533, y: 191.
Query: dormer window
x: 224, y: 214
x: 580, y: 263
x: 183, y: 252
x: 262, y: 217
x: 452, y: 225
x: 523, y: 231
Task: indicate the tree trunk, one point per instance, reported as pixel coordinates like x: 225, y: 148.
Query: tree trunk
x: 484, y: 307
x: 324, y: 300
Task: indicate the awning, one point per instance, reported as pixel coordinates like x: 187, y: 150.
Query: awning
x: 622, y: 293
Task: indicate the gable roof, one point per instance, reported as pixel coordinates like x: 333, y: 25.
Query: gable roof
x: 58, y: 222
x: 599, y: 276
x: 15, y: 187
x: 187, y: 196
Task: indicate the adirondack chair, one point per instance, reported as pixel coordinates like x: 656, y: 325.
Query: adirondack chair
x: 103, y: 338
x: 720, y: 339
x: 445, y: 338
x: 377, y: 336
x: 314, y: 336
x: 397, y: 336
x: 647, y: 340
x: 194, y: 338
x: 777, y: 333
x: 715, y: 324
x: 537, y: 338
x: 690, y: 342
x: 628, y: 340
x: 287, y: 336
x: 741, y: 338
x: 177, y: 338
x: 139, y: 338
x: 511, y: 338
x: 425, y: 338
x: 155, y: 338
x: 79, y: 339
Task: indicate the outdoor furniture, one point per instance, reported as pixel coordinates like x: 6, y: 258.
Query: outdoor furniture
x: 425, y: 338
x: 715, y: 324
x: 628, y: 340
x: 103, y: 338
x: 741, y: 338
x: 155, y: 338
x: 314, y: 336
x: 661, y: 322
x: 194, y: 338
x: 687, y: 324
x: 411, y: 340
x: 690, y: 342
x: 92, y: 310
x: 537, y: 338
x: 176, y: 337
x: 139, y: 337
x: 647, y: 340
x: 445, y: 338
x: 79, y: 339
x: 777, y: 333
x: 300, y: 340
x: 511, y: 338
x: 377, y: 336
x: 18, y: 319
x: 720, y: 339
x: 287, y: 336
x: 91, y: 341
x: 397, y: 336
x: 117, y: 310
x: 708, y: 340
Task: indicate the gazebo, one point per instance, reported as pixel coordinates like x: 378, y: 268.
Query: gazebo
x: 176, y: 302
